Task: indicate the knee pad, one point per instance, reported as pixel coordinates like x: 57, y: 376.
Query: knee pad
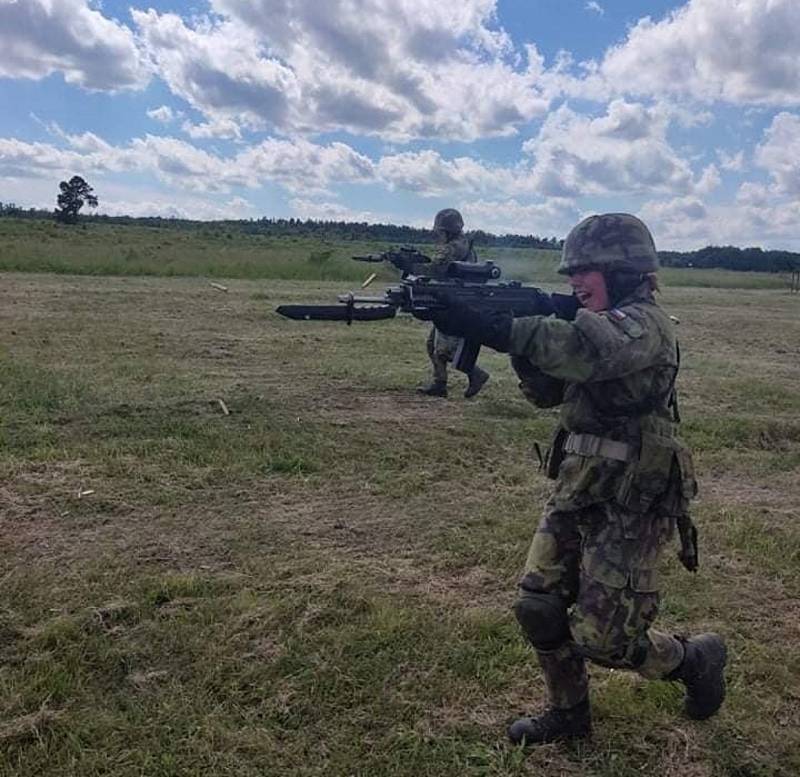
x: 543, y: 618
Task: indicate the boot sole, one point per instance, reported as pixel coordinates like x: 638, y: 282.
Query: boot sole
x: 524, y: 741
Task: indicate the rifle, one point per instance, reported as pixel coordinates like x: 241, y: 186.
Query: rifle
x: 473, y: 284
x: 407, y: 259
x: 411, y: 261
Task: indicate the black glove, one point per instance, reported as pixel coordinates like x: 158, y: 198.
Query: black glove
x: 455, y: 318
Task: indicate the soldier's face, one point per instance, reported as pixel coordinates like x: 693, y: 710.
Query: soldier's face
x: 440, y: 235
x: 590, y: 289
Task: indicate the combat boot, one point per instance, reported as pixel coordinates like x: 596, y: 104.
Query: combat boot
x: 702, y: 671
x: 477, y: 379
x: 437, y: 388
x: 553, y: 725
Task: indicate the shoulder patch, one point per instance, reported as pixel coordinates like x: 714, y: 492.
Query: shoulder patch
x: 632, y: 328
x: 617, y: 314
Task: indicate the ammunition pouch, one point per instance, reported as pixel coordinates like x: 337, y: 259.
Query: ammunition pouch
x: 661, y: 476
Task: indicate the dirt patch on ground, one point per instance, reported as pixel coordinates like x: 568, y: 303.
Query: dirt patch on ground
x: 778, y: 494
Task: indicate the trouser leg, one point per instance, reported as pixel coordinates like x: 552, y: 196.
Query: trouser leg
x: 618, y: 597
x: 664, y: 655
x: 438, y: 358
x: 547, y: 588
x: 444, y: 351
x: 565, y: 676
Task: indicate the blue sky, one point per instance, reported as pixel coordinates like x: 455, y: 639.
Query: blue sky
x: 525, y: 114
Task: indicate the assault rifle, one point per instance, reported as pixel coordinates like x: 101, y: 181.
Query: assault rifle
x: 473, y: 284
x: 407, y: 259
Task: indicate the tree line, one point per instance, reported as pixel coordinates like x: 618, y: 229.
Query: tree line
x: 733, y: 258
x: 76, y: 192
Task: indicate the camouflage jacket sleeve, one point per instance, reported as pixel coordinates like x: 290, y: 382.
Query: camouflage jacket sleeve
x: 596, y: 346
x: 458, y: 250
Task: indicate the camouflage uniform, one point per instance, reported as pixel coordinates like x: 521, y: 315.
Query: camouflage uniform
x: 622, y: 479
x: 441, y: 347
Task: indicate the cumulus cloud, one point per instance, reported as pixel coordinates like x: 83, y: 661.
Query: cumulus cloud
x: 551, y: 218
x: 779, y: 153
x: 739, y: 51
x: 755, y: 218
x: 299, y: 165
x: 40, y: 37
x: 304, y: 166
x: 224, y: 129
x: 624, y: 151
x: 401, y: 70
x: 428, y: 174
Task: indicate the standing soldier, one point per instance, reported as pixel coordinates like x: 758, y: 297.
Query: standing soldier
x: 623, y: 479
x: 453, y: 246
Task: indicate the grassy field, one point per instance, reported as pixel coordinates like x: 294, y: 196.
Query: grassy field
x: 216, y: 252
x: 319, y: 582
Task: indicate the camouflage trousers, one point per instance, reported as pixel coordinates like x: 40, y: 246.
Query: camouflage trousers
x: 602, y: 561
x: 441, y: 350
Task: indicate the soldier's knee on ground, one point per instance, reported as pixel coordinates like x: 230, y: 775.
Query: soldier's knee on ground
x: 543, y: 618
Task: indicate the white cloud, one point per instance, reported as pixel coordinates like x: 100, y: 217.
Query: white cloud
x: 624, y: 151
x: 779, y: 153
x: 334, y: 211
x: 166, y: 207
x: 304, y: 166
x: 739, y: 51
x: 733, y: 163
x: 163, y: 114
x: 40, y: 37
x: 552, y: 218
x: 594, y: 6
x: 709, y: 180
x: 397, y: 69
x: 429, y: 175
x: 298, y: 165
x: 756, y: 218
x: 755, y: 194
x: 224, y: 129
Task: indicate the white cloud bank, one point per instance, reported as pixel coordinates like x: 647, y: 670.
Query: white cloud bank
x: 40, y: 37
x: 743, y: 52
x: 395, y: 68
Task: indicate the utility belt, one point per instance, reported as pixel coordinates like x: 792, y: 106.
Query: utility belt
x: 592, y: 445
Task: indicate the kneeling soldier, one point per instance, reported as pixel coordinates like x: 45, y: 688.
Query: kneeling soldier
x: 623, y: 479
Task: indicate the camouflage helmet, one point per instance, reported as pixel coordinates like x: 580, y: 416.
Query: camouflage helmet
x: 448, y: 220
x: 611, y: 241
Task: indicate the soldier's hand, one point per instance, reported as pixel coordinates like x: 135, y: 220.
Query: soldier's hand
x: 453, y: 317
